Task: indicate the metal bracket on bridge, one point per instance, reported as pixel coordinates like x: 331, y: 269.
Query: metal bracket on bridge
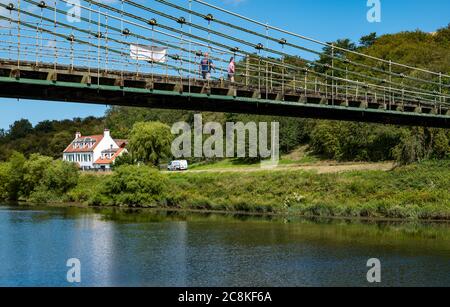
x: 149, y: 85
x: 15, y: 73
x: 303, y: 99
x: 178, y: 88
x: 52, y: 76
x: 232, y: 92
x: 86, y: 79
x: 256, y: 95
x: 120, y: 82
x: 345, y: 103
x: 324, y: 100
x: 383, y: 106
x: 206, y: 89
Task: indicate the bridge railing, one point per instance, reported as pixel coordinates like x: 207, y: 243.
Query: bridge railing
x: 101, y: 36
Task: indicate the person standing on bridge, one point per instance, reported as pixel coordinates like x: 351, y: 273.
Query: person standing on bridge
x: 206, y: 65
x: 231, y: 70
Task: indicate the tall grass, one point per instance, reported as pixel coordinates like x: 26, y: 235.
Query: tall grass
x: 416, y: 192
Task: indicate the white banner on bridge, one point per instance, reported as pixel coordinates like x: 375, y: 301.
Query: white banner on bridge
x: 148, y: 53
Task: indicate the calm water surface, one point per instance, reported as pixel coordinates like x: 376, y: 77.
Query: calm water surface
x: 150, y: 248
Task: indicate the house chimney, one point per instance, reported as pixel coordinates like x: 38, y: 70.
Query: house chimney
x: 106, y: 133
x: 77, y: 135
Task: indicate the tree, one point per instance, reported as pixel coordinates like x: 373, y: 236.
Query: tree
x: 336, y: 49
x: 34, y: 172
x: 149, y: 142
x: 60, y: 177
x: 59, y: 142
x: 4, y: 180
x: 135, y: 185
x: 45, y: 126
x: 124, y: 159
x: 121, y: 119
x: 20, y: 129
x: 368, y: 40
x: 16, y: 171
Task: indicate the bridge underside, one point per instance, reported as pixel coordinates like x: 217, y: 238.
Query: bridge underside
x: 154, y: 91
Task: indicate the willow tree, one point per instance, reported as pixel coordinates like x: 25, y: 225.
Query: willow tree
x: 149, y: 142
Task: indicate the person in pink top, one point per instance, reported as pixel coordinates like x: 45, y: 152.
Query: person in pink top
x: 231, y: 70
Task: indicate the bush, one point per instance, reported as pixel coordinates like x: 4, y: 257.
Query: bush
x: 135, y: 186
x: 39, y: 178
x: 60, y: 177
x: 15, y: 176
x: 57, y: 179
x: 4, y: 180
x: 34, y: 172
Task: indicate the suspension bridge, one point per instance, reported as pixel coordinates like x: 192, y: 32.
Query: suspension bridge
x: 147, y: 54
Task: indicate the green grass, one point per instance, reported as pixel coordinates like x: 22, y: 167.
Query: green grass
x: 420, y: 191
x: 222, y: 164
x: 303, y: 160
x: 239, y: 164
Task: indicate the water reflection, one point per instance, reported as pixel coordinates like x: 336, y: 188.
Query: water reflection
x: 157, y: 248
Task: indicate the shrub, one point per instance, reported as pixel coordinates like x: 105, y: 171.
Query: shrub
x: 60, y: 176
x: 4, y: 180
x: 57, y: 179
x: 15, y: 176
x: 34, y: 172
x: 135, y: 186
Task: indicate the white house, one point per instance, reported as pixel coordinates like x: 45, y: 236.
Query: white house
x: 95, y: 152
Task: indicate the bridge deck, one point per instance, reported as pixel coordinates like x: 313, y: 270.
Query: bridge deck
x: 79, y: 84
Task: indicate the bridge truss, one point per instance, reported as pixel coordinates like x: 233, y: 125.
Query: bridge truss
x: 50, y: 52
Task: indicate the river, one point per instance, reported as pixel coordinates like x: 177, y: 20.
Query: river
x: 156, y: 248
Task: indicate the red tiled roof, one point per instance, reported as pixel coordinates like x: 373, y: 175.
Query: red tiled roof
x: 96, y: 138
x: 109, y: 161
x: 121, y: 143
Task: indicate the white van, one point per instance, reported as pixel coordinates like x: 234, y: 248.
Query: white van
x: 178, y: 165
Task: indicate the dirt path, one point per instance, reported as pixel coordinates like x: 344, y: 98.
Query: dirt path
x: 320, y: 168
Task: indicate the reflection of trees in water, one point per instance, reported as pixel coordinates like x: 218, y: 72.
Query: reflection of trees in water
x: 253, y: 230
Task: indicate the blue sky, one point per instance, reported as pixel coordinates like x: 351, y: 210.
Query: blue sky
x: 325, y: 20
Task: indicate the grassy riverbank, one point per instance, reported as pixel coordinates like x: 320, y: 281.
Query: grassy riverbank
x: 419, y: 191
